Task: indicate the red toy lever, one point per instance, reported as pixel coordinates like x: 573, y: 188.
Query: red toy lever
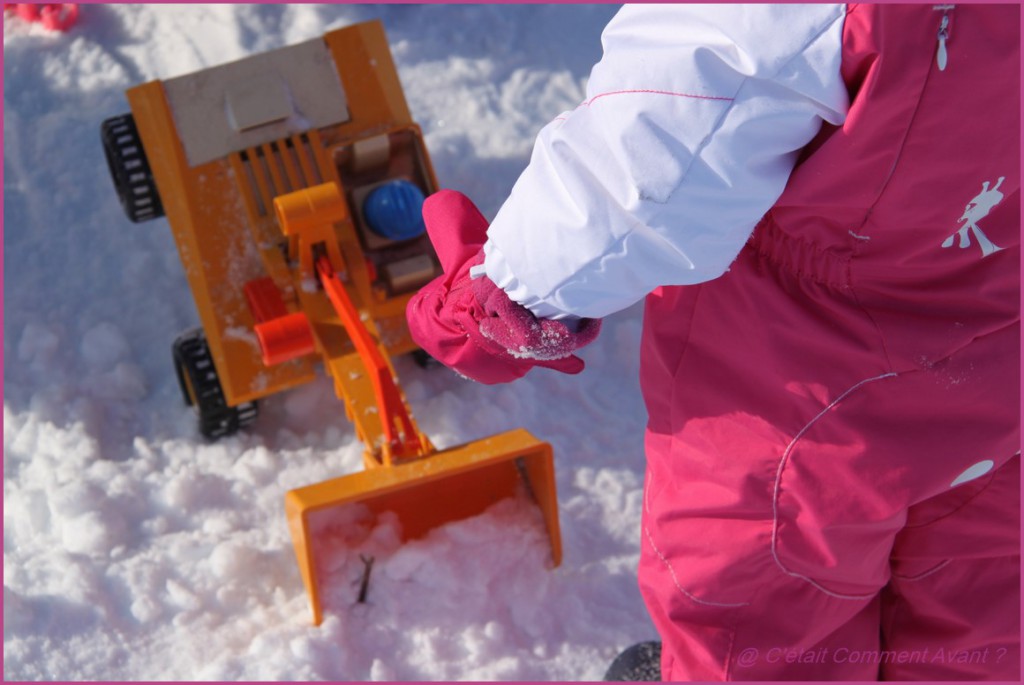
x: 392, y: 409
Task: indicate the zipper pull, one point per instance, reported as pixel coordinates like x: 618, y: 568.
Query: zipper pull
x: 942, y: 55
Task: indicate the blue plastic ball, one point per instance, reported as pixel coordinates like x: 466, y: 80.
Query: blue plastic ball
x: 394, y: 210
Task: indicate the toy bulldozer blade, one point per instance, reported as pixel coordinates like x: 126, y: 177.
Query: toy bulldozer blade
x: 404, y: 474
x: 446, y: 486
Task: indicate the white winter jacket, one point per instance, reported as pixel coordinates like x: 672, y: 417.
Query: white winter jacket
x: 693, y: 121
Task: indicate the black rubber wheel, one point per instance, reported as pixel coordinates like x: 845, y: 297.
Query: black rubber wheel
x: 200, y: 386
x: 639, y: 663
x: 129, y: 169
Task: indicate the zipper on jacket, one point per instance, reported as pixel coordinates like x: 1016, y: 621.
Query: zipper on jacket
x: 942, y: 55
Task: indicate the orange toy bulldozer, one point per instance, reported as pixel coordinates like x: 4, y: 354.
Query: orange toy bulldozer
x: 287, y: 179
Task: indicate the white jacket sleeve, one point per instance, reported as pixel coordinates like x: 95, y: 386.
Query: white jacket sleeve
x: 693, y: 122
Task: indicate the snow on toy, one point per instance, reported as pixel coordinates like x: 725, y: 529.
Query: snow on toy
x: 293, y: 181
x: 53, y: 16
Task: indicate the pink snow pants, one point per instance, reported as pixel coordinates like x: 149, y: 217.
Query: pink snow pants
x: 818, y: 506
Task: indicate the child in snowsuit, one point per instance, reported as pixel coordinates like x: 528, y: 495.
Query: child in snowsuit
x: 821, y: 205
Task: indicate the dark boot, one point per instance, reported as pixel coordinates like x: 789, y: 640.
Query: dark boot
x: 641, y: 662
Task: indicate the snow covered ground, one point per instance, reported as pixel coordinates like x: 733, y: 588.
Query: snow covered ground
x: 135, y: 550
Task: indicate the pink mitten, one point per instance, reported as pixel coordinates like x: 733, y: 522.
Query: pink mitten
x: 471, y: 325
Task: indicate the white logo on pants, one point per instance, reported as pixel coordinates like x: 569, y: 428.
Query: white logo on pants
x: 976, y: 210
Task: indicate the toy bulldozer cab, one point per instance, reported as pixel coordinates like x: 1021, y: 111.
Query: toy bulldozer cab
x: 292, y: 182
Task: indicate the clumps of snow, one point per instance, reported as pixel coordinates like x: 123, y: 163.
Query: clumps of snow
x: 242, y: 333
x: 614, y: 497
x: 83, y: 68
x: 103, y: 346
x: 37, y: 344
x: 510, y: 105
x: 500, y: 589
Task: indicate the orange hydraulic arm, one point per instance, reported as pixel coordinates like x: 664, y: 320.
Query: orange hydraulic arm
x: 363, y: 377
x: 400, y: 433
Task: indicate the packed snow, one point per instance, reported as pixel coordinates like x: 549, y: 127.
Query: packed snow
x: 136, y: 550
